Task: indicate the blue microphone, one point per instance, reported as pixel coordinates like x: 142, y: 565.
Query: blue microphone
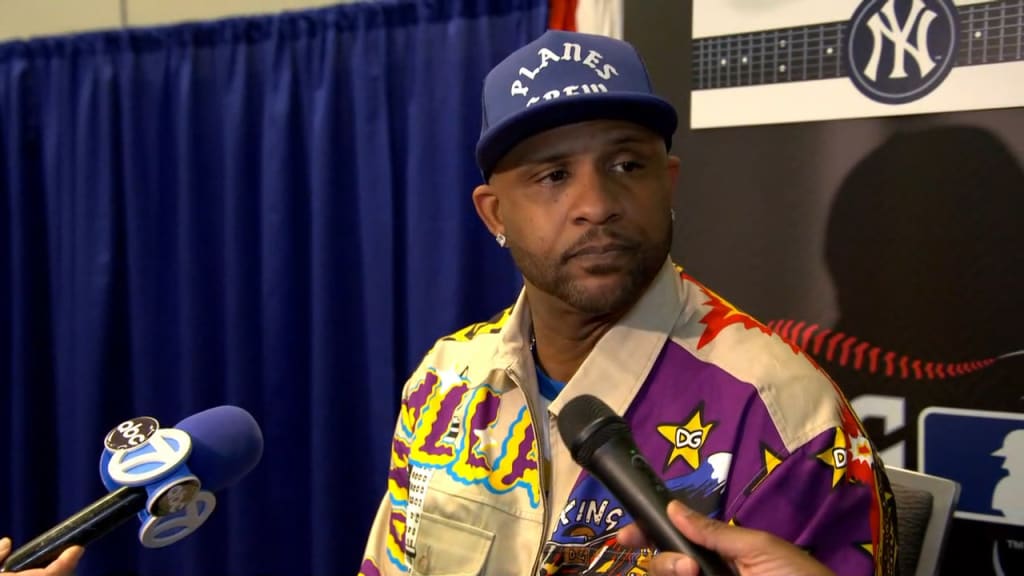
x: 242, y: 447
x: 165, y: 476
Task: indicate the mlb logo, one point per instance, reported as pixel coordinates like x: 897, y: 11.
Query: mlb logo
x: 984, y: 452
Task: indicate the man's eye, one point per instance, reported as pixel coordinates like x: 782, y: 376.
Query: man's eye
x: 554, y: 176
x: 627, y: 166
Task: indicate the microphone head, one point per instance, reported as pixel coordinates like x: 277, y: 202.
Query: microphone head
x: 585, y: 424
x: 226, y: 445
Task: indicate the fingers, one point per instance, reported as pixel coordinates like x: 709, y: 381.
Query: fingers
x: 673, y: 564
x: 65, y: 564
x: 669, y: 563
x: 632, y: 537
x: 749, y: 551
x: 691, y: 524
x: 720, y: 537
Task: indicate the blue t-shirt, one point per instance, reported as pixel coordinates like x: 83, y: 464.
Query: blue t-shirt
x: 549, y: 387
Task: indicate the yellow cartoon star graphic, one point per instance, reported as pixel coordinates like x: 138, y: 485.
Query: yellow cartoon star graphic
x: 769, y: 461
x: 836, y: 456
x: 686, y: 439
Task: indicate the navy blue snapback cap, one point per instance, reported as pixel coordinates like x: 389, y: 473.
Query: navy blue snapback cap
x: 563, y: 78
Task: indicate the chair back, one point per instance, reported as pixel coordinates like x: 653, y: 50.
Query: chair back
x: 924, y: 511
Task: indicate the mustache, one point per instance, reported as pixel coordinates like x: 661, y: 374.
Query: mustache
x: 597, y: 240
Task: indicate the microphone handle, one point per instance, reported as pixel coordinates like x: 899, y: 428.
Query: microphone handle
x: 646, y: 497
x: 83, y: 528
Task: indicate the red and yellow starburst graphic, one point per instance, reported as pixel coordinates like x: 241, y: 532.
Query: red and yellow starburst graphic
x: 722, y: 315
x: 862, y: 460
x: 861, y: 470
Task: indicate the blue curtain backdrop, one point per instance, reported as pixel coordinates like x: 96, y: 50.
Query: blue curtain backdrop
x: 269, y: 212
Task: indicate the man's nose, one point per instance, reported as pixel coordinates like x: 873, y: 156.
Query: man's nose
x: 596, y: 197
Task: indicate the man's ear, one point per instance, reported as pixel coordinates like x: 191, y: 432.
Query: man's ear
x: 673, y: 170
x: 485, y: 199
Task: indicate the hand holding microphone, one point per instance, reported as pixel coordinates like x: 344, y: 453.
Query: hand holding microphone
x: 601, y: 442
x: 64, y: 565
x: 689, y: 543
x: 751, y: 552
x: 164, y: 476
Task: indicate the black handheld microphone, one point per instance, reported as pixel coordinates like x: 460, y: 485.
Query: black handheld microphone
x: 88, y: 524
x: 601, y: 442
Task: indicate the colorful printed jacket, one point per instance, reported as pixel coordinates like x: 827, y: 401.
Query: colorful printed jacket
x: 740, y: 424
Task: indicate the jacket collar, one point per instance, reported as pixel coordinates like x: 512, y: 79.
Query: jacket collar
x: 620, y: 362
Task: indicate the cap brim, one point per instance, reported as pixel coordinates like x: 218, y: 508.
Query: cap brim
x: 649, y: 111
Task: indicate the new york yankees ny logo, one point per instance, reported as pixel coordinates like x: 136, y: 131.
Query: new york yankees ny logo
x: 885, y: 23
x: 900, y: 50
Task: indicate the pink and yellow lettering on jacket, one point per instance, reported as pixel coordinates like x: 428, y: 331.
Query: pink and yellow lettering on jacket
x: 453, y: 425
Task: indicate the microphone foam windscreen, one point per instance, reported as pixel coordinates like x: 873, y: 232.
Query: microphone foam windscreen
x: 226, y: 445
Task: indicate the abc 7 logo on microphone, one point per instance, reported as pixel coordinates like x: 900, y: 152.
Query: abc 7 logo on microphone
x: 160, y: 531
x: 139, y: 453
x: 131, y: 433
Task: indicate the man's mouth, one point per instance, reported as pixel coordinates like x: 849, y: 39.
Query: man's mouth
x: 601, y: 249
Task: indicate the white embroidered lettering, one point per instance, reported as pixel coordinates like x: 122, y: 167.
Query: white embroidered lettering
x: 518, y: 89
x: 531, y: 74
x: 564, y: 519
x: 607, y: 71
x: 593, y: 59
x: 595, y: 514
x: 546, y: 56
x: 612, y: 519
x: 572, y: 51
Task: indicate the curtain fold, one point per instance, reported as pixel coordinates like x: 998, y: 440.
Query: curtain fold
x: 270, y: 212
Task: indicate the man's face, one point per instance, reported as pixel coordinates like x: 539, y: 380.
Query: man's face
x: 585, y: 209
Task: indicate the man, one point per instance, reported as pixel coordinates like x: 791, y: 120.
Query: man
x: 741, y: 425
